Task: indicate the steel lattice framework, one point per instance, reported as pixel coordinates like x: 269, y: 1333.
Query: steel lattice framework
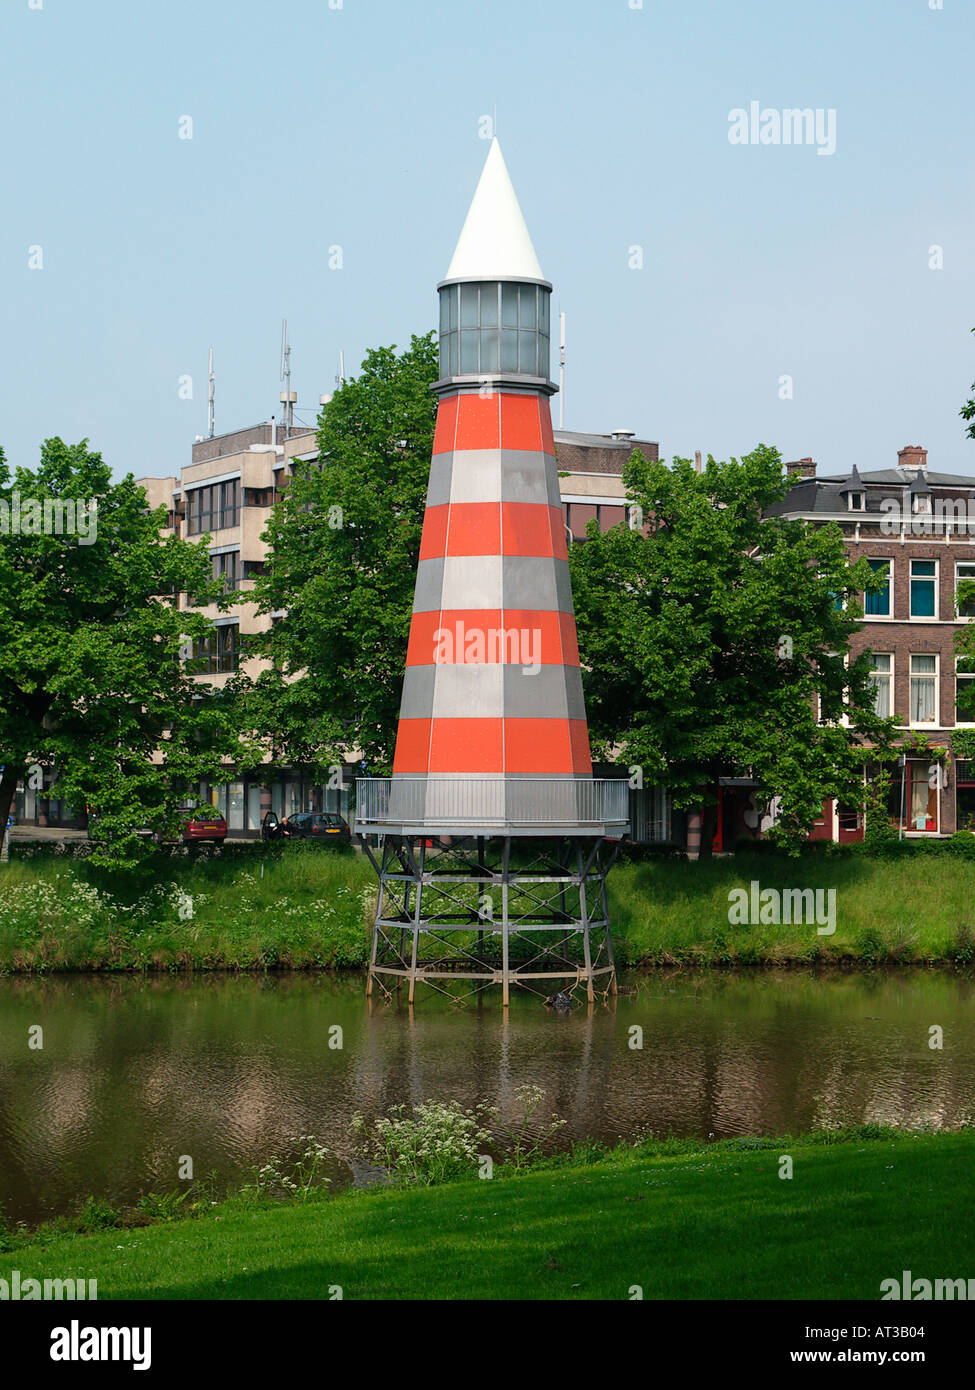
x: 461, y: 915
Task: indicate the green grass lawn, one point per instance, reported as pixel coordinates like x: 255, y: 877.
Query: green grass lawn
x: 312, y: 908
x: 681, y: 1220
x: 912, y: 908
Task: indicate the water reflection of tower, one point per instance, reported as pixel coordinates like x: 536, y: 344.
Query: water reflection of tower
x: 493, y: 832
x: 402, y: 1058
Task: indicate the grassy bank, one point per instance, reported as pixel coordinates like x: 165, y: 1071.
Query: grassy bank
x: 680, y: 1219
x: 301, y: 907
x: 911, y: 908
x: 251, y: 908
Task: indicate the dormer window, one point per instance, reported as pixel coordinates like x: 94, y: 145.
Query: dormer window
x: 922, y: 503
x: 854, y: 500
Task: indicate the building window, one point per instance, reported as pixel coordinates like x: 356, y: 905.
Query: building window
x: 912, y: 799
x: 965, y: 690
x: 214, y: 508
x: 855, y: 501
x: 882, y: 677
x: 924, y: 578
x: 217, y: 653
x: 258, y: 496
x: 924, y: 689
x: 227, y: 568
x: 922, y: 503
x: 877, y: 605
x: 965, y: 795
x: 923, y: 798
x: 965, y: 595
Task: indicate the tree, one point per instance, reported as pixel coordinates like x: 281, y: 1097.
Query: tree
x: 343, y: 552
x: 91, y: 677
x: 967, y: 411
x: 711, y: 643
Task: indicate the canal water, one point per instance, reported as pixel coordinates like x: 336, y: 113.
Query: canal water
x: 135, y: 1073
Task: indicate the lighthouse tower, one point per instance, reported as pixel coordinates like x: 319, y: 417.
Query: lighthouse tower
x: 492, y: 829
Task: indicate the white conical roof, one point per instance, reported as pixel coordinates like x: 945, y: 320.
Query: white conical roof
x: 494, y: 243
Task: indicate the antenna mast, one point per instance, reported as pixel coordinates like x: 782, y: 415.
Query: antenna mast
x: 211, y: 398
x: 288, y: 397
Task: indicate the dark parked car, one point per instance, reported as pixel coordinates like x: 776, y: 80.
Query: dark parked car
x: 324, y: 826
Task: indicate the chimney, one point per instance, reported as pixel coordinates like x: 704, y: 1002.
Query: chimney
x: 912, y: 456
x: 800, y: 468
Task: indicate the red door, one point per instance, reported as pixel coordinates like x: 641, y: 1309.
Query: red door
x: 823, y: 824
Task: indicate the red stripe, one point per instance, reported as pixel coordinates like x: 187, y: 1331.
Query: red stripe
x: 493, y: 528
x: 532, y: 528
x: 546, y: 747
x: 412, y: 746
x: 478, y: 422
x: 556, y: 636
x: 545, y: 416
x: 497, y: 421
x: 521, y: 427
x: 466, y: 745
x: 443, y: 438
x: 433, y: 541
x: 532, y: 747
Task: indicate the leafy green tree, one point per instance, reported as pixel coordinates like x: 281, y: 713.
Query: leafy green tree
x: 967, y: 411
x: 91, y: 680
x: 712, y: 643
x: 344, y: 545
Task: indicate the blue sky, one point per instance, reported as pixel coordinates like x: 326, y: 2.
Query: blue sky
x: 359, y: 127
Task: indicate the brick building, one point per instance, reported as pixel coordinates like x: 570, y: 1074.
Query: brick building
x: 917, y: 525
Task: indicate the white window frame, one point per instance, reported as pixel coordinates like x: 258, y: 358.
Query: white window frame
x: 887, y: 617
x: 971, y: 565
x: 936, y: 580
x: 934, y: 723
x: 969, y: 676
x: 856, y: 507
x: 888, y: 676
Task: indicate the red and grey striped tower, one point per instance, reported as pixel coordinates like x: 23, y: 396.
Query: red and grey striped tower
x: 493, y: 832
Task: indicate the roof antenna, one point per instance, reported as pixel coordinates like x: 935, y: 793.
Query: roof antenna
x: 288, y: 397
x: 340, y: 374
x: 211, y: 398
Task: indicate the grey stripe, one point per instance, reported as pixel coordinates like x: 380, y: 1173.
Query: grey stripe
x: 537, y: 582
x: 552, y: 481
x: 429, y: 586
x: 438, y: 488
x: 459, y: 581
x: 539, y: 694
x: 417, y: 699
x: 485, y: 475
x: 475, y: 475
x: 468, y: 692
x: 527, y: 477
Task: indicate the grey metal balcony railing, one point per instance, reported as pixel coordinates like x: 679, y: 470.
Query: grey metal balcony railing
x: 525, y: 805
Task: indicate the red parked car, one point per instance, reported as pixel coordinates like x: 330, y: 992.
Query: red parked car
x: 204, y: 824
x: 198, y: 823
